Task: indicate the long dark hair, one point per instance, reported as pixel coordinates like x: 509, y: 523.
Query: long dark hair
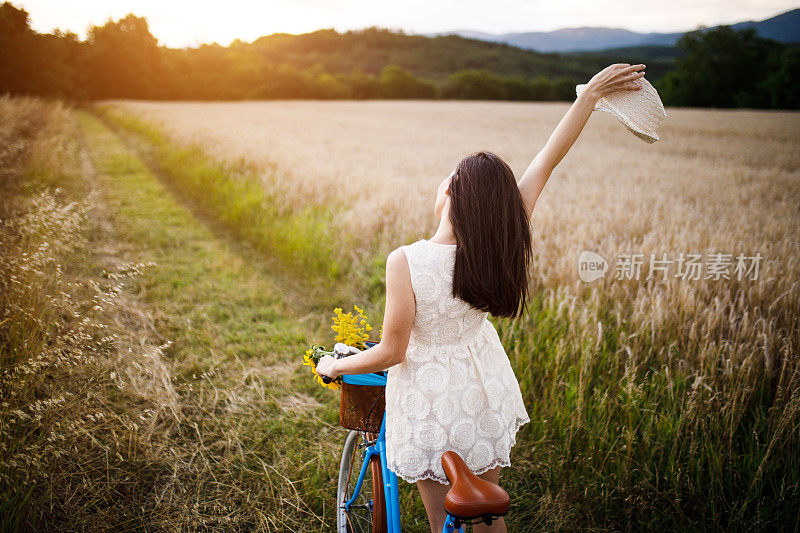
x: 493, y: 236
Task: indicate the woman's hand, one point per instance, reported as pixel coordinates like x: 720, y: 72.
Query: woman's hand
x: 327, y: 367
x: 616, y: 77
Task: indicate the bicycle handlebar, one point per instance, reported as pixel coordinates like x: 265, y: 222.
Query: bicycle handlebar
x: 375, y: 379
x: 327, y: 379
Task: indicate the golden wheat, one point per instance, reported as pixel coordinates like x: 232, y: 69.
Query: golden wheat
x: 718, y: 182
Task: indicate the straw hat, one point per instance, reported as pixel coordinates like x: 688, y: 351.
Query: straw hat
x: 640, y: 110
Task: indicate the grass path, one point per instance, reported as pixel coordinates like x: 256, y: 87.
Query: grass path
x: 227, y: 298
x: 266, y: 436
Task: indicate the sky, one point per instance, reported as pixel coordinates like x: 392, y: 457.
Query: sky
x: 179, y: 23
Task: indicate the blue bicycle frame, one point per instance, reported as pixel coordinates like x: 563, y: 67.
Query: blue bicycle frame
x: 390, y: 485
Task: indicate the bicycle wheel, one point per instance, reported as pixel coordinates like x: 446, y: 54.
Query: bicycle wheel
x: 368, y: 512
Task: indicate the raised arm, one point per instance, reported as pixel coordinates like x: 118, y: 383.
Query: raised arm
x: 616, y: 77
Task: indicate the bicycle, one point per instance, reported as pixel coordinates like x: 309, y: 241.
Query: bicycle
x: 362, y: 503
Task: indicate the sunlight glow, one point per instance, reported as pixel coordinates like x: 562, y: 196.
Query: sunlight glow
x: 184, y: 23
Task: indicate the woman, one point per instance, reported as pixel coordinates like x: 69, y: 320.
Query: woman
x: 450, y: 385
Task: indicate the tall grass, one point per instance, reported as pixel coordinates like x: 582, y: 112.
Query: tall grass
x: 670, y: 404
x: 238, y: 441
x: 58, y: 364
x: 103, y: 425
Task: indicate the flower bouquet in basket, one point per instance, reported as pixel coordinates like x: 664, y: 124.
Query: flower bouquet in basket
x: 361, y: 407
x: 351, y: 337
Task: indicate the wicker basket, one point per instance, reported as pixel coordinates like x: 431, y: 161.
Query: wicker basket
x: 361, y: 407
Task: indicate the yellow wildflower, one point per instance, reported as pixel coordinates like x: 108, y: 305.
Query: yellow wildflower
x: 311, y: 357
x: 351, y: 330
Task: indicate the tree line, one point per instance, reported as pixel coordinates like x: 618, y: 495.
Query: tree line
x: 122, y: 59
x: 733, y: 68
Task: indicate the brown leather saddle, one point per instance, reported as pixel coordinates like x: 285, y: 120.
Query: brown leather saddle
x: 471, y: 497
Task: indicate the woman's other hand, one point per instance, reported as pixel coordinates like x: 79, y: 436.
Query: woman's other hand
x: 327, y: 367
x: 616, y: 77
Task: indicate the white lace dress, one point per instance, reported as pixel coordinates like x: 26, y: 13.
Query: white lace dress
x: 456, y: 389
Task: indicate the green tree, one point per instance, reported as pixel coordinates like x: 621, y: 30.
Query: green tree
x: 124, y: 60
x: 333, y: 86
x: 517, y: 88
x: 364, y: 85
x: 474, y: 84
x: 397, y: 82
x: 33, y: 63
x: 563, y: 88
x: 542, y: 88
x: 721, y: 67
x: 782, y: 86
x: 285, y: 81
x: 205, y: 73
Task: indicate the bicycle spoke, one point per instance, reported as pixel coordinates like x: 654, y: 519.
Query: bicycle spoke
x: 360, y: 514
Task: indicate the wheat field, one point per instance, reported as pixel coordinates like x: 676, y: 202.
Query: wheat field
x: 718, y: 181
x: 673, y: 382
x: 668, y: 404
x: 663, y: 376
x: 713, y: 168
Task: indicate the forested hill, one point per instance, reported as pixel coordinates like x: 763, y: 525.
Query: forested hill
x: 434, y: 58
x: 122, y: 59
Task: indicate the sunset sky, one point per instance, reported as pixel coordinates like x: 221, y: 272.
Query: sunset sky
x: 183, y: 23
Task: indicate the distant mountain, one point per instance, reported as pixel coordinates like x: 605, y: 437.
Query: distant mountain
x: 576, y: 39
x: 784, y: 27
